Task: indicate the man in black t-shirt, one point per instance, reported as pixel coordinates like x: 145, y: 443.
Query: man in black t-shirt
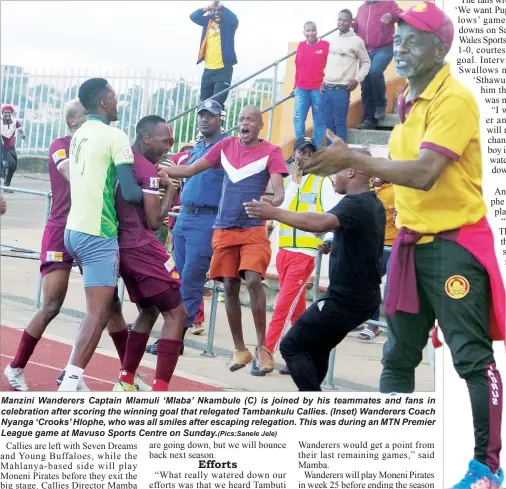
x: 358, y: 222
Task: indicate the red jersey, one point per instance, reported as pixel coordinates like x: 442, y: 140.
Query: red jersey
x: 133, y: 231
x: 247, y: 172
x: 310, y: 62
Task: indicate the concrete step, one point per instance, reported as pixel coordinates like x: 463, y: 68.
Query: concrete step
x: 368, y: 137
x: 389, y: 122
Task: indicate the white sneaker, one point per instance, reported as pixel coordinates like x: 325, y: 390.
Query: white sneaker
x: 82, y: 387
x: 140, y: 384
x: 16, y: 378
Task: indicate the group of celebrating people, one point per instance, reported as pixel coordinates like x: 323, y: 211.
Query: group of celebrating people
x: 443, y: 266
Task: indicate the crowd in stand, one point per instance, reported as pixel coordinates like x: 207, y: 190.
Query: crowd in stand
x: 107, y: 205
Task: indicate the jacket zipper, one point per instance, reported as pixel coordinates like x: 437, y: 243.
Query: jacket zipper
x: 367, y: 25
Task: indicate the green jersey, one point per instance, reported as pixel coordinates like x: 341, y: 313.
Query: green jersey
x: 95, y: 152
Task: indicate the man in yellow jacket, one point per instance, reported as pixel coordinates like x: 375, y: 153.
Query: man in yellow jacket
x: 295, y: 260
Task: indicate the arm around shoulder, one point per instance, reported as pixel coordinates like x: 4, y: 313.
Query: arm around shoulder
x: 130, y: 189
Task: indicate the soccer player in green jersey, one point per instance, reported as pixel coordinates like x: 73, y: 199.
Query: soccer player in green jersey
x: 100, y: 154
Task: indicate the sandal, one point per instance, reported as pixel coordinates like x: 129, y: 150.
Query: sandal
x: 240, y: 359
x: 198, y: 329
x: 367, y: 335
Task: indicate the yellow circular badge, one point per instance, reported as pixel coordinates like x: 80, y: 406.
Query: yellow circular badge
x: 457, y: 287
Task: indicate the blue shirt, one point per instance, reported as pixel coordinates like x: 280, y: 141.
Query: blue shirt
x: 203, y: 189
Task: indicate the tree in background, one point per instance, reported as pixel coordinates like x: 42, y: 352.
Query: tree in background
x: 43, y: 103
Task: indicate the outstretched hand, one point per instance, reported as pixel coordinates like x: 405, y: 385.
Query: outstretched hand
x: 165, y: 180
x: 324, y: 248
x: 262, y: 209
x: 329, y: 160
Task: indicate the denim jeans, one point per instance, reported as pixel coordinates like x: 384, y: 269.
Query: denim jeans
x: 337, y: 103
x: 192, y: 254
x: 304, y: 99
x: 373, y: 86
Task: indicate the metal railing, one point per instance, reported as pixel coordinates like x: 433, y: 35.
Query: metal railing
x: 273, y: 94
x: 39, y: 96
x: 48, y: 196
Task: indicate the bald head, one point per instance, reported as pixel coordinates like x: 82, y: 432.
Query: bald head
x: 250, y: 125
x: 75, y: 114
x: 251, y: 111
x: 351, y: 180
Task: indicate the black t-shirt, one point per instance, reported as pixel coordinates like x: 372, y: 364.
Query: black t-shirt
x: 357, y: 251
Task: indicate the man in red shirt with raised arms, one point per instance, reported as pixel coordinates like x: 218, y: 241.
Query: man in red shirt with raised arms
x: 240, y: 244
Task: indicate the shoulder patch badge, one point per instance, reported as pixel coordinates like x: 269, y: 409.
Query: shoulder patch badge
x: 127, y: 153
x: 58, y: 155
x: 154, y: 183
x: 54, y: 256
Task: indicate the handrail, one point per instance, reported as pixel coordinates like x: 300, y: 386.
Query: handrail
x: 271, y: 107
x: 244, y: 80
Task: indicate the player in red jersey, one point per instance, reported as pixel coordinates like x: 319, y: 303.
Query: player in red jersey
x: 56, y: 263
x: 148, y: 271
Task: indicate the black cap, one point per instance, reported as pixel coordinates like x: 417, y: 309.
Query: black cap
x: 211, y: 106
x: 304, y: 141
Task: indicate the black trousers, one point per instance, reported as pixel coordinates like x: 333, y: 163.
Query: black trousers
x: 307, y: 345
x: 10, y: 157
x: 214, y: 81
x: 463, y: 315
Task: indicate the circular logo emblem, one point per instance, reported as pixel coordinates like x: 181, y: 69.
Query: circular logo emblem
x: 421, y: 7
x: 457, y: 287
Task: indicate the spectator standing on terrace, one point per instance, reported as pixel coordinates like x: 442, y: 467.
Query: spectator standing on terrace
x: 240, y: 245
x: 310, y: 62
x: 217, y: 49
x: 9, y: 155
x: 347, y: 65
x: 443, y: 264
x: 375, y: 24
